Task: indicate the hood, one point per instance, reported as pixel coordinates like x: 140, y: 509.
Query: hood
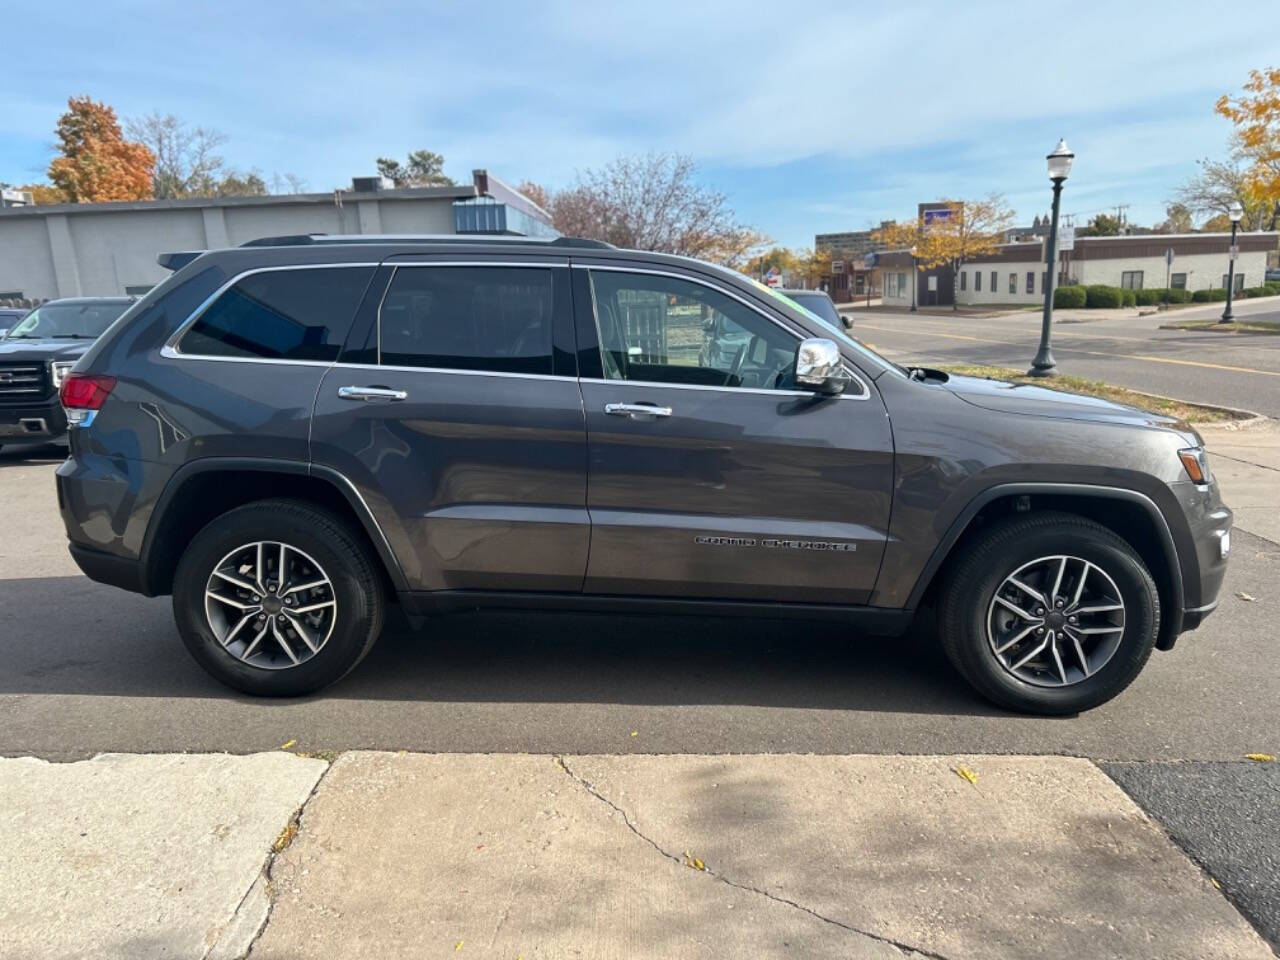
x: 1037, y: 401
x: 43, y: 349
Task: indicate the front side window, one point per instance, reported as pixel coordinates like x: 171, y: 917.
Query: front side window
x: 994, y: 281
x: 962, y: 281
x: 495, y: 319
x: 298, y: 314
x: 1031, y: 281
x: 1131, y: 280
x: 1013, y: 283
x: 1178, y: 281
x: 669, y: 330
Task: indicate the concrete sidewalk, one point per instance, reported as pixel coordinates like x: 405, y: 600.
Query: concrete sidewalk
x: 419, y: 855
x: 1247, y: 464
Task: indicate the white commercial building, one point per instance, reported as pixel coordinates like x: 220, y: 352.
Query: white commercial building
x: 1015, y: 274
x: 110, y: 249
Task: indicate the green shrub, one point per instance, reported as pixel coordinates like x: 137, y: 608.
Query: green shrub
x: 1179, y: 295
x: 1148, y: 298
x: 1128, y: 298
x: 1209, y: 296
x: 1272, y: 288
x: 1252, y: 292
x: 1069, y: 296
x: 1098, y: 295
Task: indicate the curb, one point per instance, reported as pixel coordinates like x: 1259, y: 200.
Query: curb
x: 1245, y: 419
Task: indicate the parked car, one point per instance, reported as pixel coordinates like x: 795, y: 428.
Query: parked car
x: 1272, y: 275
x: 35, y: 355
x: 291, y: 435
x: 9, y: 316
x: 820, y: 304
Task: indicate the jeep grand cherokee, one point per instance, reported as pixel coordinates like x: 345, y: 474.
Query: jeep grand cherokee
x: 290, y: 435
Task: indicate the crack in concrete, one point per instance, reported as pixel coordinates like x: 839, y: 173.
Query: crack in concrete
x: 265, y: 875
x: 586, y: 785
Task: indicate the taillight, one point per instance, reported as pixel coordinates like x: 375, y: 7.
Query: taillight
x: 83, y: 393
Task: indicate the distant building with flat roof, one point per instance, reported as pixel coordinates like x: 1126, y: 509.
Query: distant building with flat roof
x: 109, y: 249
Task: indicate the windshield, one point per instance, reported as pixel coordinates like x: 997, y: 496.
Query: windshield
x: 834, y: 328
x: 68, y: 321
x: 819, y: 304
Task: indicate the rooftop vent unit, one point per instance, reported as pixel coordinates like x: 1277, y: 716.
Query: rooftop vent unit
x: 370, y: 184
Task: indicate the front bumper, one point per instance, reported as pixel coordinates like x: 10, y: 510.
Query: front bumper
x: 38, y: 422
x: 1209, y: 521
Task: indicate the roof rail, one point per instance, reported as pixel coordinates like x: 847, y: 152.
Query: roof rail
x: 301, y: 239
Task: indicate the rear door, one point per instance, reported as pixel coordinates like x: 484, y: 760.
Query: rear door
x: 710, y: 476
x: 456, y: 415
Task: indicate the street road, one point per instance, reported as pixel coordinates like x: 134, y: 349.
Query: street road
x: 86, y: 668
x: 1237, y: 370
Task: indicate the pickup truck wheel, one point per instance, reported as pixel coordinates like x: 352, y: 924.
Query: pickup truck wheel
x: 1048, y: 613
x: 277, y: 598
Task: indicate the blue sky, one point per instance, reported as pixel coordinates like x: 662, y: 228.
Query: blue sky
x: 812, y: 118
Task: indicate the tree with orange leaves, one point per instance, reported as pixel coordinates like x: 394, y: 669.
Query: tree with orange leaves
x: 95, y: 162
x: 1256, y: 115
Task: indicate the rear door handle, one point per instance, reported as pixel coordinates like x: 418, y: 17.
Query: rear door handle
x: 636, y: 411
x: 372, y: 393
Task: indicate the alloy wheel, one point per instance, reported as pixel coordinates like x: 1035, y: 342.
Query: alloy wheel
x: 1055, y: 621
x: 270, y: 605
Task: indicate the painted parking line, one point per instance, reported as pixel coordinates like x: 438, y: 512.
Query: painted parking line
x: 1095, y: 353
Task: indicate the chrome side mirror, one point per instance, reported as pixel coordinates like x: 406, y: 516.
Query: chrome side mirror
x: 818, y: 366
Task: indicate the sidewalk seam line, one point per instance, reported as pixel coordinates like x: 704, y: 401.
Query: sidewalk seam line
x: 265, y: 873
x: 626, y: 819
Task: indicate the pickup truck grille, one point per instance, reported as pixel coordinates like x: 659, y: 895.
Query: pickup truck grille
x: 24, y: 381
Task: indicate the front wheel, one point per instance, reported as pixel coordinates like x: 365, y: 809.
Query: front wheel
x: 277, y: 598
x: 1049, y: 614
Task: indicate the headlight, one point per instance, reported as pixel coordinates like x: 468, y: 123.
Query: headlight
x: 60, y: 369
x: 1195, y: 460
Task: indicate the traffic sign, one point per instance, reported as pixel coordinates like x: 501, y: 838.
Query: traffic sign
x: 1235, y: 251
x: 1066, y: 238
x: 1168, y: 257
x: 870, y: 260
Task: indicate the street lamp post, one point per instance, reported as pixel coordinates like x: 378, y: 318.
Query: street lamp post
x: 1235, y: 212
x: 1059, y: 168
x: 915, y: 279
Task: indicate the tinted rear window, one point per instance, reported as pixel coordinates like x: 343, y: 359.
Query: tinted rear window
x: 468, y: 318
x: 300, y: 314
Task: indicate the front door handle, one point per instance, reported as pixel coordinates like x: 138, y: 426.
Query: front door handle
x: 372, y: 393
x: 636, y: 411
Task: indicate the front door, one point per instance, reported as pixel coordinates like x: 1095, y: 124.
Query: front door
x: 709, y: 475
x: 460, y: 427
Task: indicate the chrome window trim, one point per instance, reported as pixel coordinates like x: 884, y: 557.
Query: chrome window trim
x: 466, y: 373
x: 786, y: 328
x: 765, y: 391
x: 170, y: 349
x: 395, y: 269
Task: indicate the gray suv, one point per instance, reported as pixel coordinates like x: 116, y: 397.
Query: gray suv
x: 291, y: 435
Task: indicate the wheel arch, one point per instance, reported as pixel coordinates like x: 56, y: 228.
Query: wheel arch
x: 1129, y: 513
x: 215, y: 485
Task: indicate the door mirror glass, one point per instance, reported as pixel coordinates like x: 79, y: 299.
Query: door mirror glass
x: 818, y: 366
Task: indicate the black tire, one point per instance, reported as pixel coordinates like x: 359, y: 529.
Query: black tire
x: 356, y: 587
x: 979, y: 571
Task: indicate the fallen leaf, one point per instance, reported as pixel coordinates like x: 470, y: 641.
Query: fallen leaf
x: 1249, y: 598
x: 287, y: 744
x: 691, y: 861
x: 965, y: 773
x: 635, y: 733
x: 457, y: 946
x: 285, y: 838
x: 1260, y: 757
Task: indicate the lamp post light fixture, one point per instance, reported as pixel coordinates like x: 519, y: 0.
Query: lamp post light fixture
x: 1059, y: 169
x: 915, y: 279
x: 1235, y: 212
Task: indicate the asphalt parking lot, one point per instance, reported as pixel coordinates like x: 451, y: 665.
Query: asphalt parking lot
x: 86, y: 669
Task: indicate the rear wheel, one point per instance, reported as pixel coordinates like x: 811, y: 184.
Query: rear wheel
x: 277, y: 598
x: 1049, y: 613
